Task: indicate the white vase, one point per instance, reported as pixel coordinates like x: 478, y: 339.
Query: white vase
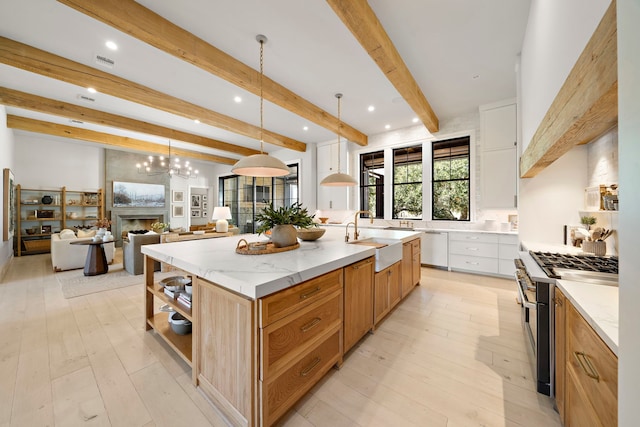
x: 284, y: 235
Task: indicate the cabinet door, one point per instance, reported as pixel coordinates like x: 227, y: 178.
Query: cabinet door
x: 381, y: 296
x: 358, y: 301
x: 415, y: 262
x: 395, y: 285
x: 434, y: 249
x: 498, y: 127
x: 407, y: 270
x: 498, y: 175
x: 560, y: 352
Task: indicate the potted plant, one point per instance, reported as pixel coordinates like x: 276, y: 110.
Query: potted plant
x: 588, y: 221
x: 159, y: 227
x: 282, y: 222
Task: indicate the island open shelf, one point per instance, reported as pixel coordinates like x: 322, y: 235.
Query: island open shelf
x: 182, y: 344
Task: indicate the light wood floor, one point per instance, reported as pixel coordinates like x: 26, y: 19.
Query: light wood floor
x: 453, y: 354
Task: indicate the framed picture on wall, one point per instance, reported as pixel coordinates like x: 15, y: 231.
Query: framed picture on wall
x: 204, y: 197
x: 205, y: 205
x: 204, y: 213
x: 195, y: 213
x: 178, y: 211
x: 177, y: 196
x: 45, y: 229
x: 196, y: 201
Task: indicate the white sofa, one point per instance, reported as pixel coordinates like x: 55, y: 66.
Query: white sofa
x: 65, y: 256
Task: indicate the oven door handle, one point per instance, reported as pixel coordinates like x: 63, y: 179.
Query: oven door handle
x: 523, y: 297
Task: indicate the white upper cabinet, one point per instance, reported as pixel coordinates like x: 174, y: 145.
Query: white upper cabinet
x: 499, y: 163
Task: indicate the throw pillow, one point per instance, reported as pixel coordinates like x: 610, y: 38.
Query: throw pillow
x: 87, y: 233
x: 67, y: 234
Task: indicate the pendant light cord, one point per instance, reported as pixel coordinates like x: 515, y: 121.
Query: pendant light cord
x: 261, y: 96
x: 339, y: 96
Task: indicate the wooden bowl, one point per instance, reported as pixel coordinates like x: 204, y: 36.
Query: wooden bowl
x: 323, y: 219
x: 308, y: 234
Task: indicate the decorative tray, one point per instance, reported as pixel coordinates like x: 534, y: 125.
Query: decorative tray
x: 261, y: 248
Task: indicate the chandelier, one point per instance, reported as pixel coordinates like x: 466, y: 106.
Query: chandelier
x: 161, y: 165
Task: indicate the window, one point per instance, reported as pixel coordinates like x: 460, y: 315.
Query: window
x: 372, y: 183
x: 407, y: 182
x: 450, y: 180
x: 246, y: 195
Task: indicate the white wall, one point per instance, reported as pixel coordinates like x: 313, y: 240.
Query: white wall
x: 557, y: 32
x: 629, y: 150
x: 6, y: 161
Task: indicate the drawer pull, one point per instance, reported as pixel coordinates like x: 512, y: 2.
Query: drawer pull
x: 472, y: 238
x: 356, y: 267
x: 313, y: 323
x: 306, y: 371
x: 311, y: 292
x: 472, y: 263
x: 472, y: 249
x: 591, y: 372
x: 557, y: 301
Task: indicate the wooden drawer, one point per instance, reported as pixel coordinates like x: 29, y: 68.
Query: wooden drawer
x: 473, y: 237
x: 287, y: 338
x: 587, y: 355
x: 280, y: 394
x: 276, y: 306
x: 471, y: 263
x: 476, y: 249
x: 415, y: 246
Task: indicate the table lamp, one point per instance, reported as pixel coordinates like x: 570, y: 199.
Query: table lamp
x: 221, y: 214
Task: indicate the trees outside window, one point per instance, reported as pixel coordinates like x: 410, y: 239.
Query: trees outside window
x: 407, y: 183
x: 451, y: 179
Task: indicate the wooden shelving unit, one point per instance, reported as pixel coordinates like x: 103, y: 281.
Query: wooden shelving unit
x: 159, y: 320
x: 88, y: 206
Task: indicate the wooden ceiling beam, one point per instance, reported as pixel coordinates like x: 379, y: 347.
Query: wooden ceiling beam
x: 134, y: 19
x: 54, y: 129
x: 40, y: 104
x: 38, y: 61
x: 363, y: 23
x: 586, y: 105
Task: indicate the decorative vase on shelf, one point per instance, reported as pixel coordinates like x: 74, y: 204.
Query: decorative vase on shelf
x: 284, y: 235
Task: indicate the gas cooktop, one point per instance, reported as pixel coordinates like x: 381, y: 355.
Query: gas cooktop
x: 577, y: 267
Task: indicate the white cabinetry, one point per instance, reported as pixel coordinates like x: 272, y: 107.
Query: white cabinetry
x: 489, y: 253
x: 435, y: 248
x: 327, y: 163
x: 499, y: 155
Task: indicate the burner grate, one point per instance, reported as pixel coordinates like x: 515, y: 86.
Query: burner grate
x: 549, y: 261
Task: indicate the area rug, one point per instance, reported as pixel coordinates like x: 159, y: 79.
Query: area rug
x: 74, y: 283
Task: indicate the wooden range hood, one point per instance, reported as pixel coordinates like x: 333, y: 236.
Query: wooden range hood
x: 587, y: 104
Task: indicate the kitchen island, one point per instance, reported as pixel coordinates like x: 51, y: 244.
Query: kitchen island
x: 266, y: 328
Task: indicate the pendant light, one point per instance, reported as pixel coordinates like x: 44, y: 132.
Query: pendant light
x: 338, y: 179
x: 260, y: 165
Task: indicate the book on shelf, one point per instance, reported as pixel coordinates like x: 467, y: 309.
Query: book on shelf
x: 172, y: 294
x: 184, y: 300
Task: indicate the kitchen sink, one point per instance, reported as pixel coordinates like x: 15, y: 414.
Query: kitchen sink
x: 388, y: 251
x: 399, y: 228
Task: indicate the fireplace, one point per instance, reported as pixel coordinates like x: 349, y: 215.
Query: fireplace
x: 123, y: 223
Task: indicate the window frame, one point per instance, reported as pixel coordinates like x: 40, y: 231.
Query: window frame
x: 470, y: 177
x: 420, y: 147
x: 364, y: 188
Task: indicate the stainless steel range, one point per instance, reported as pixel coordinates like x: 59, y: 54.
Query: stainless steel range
x: 536, y: 275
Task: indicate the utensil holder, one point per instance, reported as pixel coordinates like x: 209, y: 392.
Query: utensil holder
x: 597, y: 248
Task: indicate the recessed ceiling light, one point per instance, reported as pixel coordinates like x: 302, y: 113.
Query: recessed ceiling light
x: 91, y: 90
x: 196, y: 121
x: 371, y: 108
x: 237, y: 99
x: 387, y: 126
x: 111, y: 45
x: 305, y: 128
x: 476, y: 76
x: 415, y: 120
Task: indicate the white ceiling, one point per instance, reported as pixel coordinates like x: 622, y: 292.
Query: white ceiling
x: 445, y: 44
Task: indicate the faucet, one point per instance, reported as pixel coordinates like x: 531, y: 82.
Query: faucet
x: 355, y: 233
x: 346, y: 235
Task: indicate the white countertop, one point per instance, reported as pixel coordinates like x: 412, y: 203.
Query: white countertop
x: 364, y: 224
x: 256, y: 276
x: 598, y: 304
x: 551, y: 247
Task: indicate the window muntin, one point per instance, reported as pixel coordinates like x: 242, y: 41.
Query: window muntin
x: 407, y: 183
x: 451, y: 181
x: 372, y: 183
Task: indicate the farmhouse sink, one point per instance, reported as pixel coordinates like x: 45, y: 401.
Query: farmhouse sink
x: 388, y: 251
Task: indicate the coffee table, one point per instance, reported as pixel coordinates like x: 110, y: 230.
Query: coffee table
x: 96, y: 262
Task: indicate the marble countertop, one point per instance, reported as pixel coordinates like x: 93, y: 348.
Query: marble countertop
x: 363, y: 224
x: 598, y: 304
x: 551, y: 247
x: 256, y: 276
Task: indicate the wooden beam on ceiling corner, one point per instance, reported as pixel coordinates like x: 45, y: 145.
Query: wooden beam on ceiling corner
x: 586, y: 105
x: 38, y: 61
x: 127, y: 16
x: 363, y: 23
x: 40, y: 104
x: 54, y: 129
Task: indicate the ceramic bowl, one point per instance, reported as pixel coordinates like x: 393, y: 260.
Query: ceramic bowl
x: 309, y: 234
x: 179, y: 324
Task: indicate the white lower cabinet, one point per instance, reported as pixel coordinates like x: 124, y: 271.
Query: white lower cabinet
x: 434, y: 248
x: 489, y: 253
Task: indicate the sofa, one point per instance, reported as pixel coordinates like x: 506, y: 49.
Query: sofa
x: 132, y: 256
x: 65, y: 256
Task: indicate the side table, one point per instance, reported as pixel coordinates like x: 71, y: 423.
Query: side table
x: 96, y: 262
